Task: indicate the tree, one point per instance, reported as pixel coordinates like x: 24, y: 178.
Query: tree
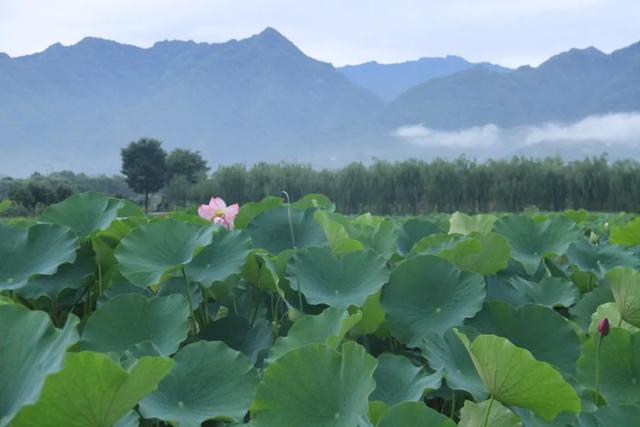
x: 144, y: 163
x: 188, y: 164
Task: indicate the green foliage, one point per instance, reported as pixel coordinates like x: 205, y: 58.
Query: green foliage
x: 324, y: 278
x: 208, y: 381
x: 186, y: 163
x: 30, y: 349
x: 413, y: 413
x: 371, y: 339
x: 619, y: 364
x: 131, y: 319
x: 73, y: 398
x: 144, y: 163
x: 428, y: 295
x: 514, y: 377
x: 399, y: 380
x: 472, y: 415
x: 38, y: 249
x: 332, y: 394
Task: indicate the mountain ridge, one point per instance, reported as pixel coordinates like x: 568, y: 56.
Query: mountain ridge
x: 263, y: 98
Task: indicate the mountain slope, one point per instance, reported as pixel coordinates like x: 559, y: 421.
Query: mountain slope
x: 388, y: 81
x: 567, y: 87
x: 234, y: 101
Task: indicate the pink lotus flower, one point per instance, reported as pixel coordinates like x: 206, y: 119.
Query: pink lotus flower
x: 219, y: 213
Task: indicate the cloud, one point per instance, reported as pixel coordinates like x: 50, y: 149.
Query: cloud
x: 487, y: 135
x: 619, y: 129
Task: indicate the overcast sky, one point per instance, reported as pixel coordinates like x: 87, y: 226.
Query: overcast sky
x: 507, y: 32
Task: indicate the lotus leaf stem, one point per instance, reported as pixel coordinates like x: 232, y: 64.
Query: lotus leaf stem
x: 194, y: 326
x: 485, y: 422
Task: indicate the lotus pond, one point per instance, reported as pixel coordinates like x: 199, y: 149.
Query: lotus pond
x: 301, y: 316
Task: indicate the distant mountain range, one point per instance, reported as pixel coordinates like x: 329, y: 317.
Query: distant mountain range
x: 261, y: 98
x: 388, y: 81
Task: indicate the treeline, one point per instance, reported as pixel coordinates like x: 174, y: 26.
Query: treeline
x: 409, y: 187
x: 30, y: 195
x: 414, y: 186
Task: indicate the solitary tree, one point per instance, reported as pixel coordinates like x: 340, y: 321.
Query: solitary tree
x: 144, y: 163
x: 188, y: 164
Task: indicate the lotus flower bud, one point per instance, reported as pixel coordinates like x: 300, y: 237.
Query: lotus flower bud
x: 604, y: 327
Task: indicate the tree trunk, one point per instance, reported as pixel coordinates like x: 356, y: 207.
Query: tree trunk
x: 146, y: 201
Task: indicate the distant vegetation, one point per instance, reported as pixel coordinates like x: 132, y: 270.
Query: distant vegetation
x: 409, y: 187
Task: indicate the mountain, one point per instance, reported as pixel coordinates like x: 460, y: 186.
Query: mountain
x: 567, y: 87
x: 388, y: 81
x: 258, y: 98
x: 262, y: 99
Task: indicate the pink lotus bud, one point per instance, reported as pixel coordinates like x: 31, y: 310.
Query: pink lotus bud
x: 604, y: 327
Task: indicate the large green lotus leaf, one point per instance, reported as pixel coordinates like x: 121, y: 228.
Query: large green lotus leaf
x: 412, y: 231
x: 627, y: 234
x: 316, y: 386
x: 271, y: 230
x: 324, y: 278
x: 152, y: 252
x: 92, y: 391
x: 541, y: 330
x: 449, y: 354
x: 599, y: 259
x: 314, y: 200
x: 30, y: 349
x: 413, y: 414
x: 337, y: 236
x: 68, y: 276
x: 472, y: 415
x: 250, y: 210
x: 517, y: 291
x: 328, y: 327
x: 84, y: 213
x: 619, y: 366
x: 485, y: 254
x: 428, y: 295
x: 625, y: 285
x: 610, y: 416
x: 225, y: 256
x: 38, y: 249
x: 514, y: 377
x: 132, y: 319
x: 588, y: 304
x: 373, y: 232
x: 239, y: 334
x: 461, y: 223
x: 373, y: 316
x: 532, y: 241
x: 435, y: 244
x: 208, y: 381
x: 397, y: 380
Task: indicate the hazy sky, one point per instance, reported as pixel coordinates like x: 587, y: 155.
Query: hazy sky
x: 508, y: 32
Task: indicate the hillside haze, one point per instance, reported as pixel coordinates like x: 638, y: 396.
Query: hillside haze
x: 263, y: 99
